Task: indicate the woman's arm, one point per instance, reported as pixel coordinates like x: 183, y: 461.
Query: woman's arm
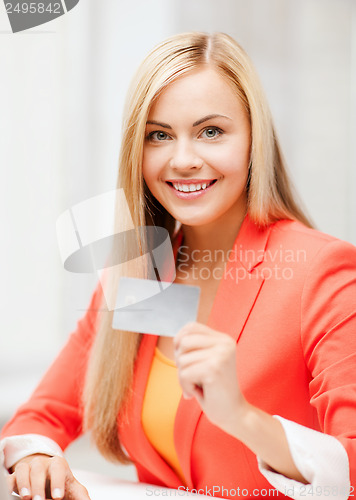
x: 54, y: 409
x: 265, y: 436
x: 320, y: 458
x: 51, y: 419
x: 207, y: 371
x: 206, y: 361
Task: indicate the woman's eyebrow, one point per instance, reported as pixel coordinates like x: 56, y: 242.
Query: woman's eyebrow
x: 209, y: 117
x: 195, y: 124
x: 163, y: 125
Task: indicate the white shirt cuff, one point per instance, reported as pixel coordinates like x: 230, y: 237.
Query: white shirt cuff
x: 319, y: 457
x: 14, y: 448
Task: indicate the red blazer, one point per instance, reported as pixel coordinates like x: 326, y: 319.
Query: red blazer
x: 288, y: 297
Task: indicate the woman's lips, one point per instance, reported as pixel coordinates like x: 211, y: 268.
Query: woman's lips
x: 190, y: 195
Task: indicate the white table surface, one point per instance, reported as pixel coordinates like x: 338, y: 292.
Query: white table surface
x: 102, y: 487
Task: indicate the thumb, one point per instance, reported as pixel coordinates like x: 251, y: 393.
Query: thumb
x: 75, y: 490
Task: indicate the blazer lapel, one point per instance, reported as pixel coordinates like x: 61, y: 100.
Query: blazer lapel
x: 132, y: 434
x: 241, y: 283
x: 235, y: 298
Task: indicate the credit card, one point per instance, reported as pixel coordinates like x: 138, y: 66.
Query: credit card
x: 156, y: 307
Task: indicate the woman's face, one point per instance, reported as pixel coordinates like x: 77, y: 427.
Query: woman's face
x: 197, y: 149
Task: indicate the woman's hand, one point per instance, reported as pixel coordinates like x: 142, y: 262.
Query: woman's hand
x: 39, y: 476
x: 206, y: 362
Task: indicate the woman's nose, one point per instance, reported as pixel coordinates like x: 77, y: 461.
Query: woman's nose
x: 184, y: 157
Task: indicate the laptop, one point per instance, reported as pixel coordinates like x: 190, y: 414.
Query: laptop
x: 4, y: 492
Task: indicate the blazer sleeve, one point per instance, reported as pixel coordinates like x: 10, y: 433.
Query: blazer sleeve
x: 54, y: 409
x: 328, y: 336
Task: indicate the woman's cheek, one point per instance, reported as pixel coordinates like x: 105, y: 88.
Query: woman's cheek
x: 149, y: 168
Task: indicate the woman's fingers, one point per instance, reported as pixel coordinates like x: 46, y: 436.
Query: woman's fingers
x: 195, y: 336
x: 57, y: 472
x: 21, y: 480
x: 207, y: 371
x: 11, y: 482
x: 192, y: 376
x: 209, y: 354
x: 193, y: 343
x: 38, y: 477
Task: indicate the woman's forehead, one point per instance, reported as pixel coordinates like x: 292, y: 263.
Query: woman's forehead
x: 203, y: 90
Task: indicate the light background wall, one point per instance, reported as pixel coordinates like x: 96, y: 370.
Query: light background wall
x: 63, y: 86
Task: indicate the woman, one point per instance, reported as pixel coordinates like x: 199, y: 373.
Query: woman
x: 268, y: 369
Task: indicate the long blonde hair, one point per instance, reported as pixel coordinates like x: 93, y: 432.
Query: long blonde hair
x: 269, y: 191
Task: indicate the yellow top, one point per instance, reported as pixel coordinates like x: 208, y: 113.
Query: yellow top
x: 159, y: 409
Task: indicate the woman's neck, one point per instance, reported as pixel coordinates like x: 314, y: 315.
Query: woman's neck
x: 215, y: 238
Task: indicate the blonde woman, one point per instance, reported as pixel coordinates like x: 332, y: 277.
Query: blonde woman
x: 257, y: 398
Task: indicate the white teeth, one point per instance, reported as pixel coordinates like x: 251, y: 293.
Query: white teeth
x: 191, y: 187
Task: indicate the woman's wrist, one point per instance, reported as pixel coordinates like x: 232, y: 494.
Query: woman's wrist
x: 264, y: 436
x: 238, y: 422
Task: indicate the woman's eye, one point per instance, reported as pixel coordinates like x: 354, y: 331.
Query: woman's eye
x: 157, y: 136
x: 211, y: 132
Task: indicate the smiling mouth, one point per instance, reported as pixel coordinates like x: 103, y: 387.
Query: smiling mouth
x: 191, y: 188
